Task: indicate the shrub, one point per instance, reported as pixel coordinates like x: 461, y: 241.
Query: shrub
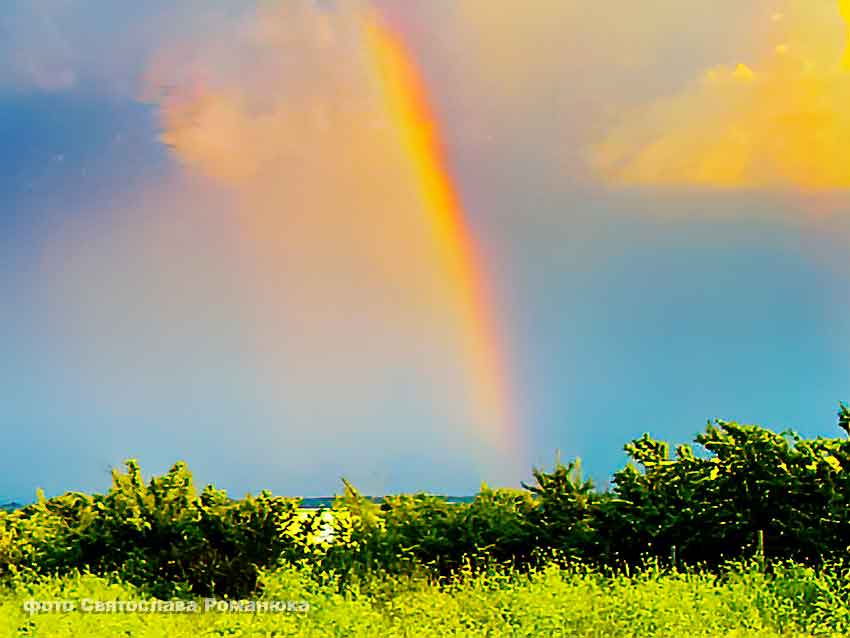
x: 696, y: 507
x: 160, y: 535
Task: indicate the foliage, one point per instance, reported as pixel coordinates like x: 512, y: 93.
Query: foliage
x: 742, y: 492
x: 409, y: 531
x: 712, y: 508
x: 160, y: 535
x: 547, y: 601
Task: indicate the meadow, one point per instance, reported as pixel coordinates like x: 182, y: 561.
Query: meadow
x: 745, y: 533
x: 550, y: 601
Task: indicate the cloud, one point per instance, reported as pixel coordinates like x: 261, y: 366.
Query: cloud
x: 289, y: 117
x: 290, y: 83
x: 845, y: 13
x: 780, y: 122
x: 345, y: 296
x: 524, y: 88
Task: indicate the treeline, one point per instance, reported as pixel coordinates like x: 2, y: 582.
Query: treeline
x: 745, y: 491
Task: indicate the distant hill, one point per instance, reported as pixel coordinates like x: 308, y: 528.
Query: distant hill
x: 316, y: 502
x: 319, y: 502
x: 10, y: 507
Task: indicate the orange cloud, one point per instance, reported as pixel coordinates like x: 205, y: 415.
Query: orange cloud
x: 845, y: 12
x: 303, y: 140
x: 781, y: 122
x: 545, y: 79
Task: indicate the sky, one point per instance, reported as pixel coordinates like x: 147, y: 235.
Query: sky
x: 419, y: 245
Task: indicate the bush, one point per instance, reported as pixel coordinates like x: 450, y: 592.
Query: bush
x: 703, y: 507
x: 160, y: 535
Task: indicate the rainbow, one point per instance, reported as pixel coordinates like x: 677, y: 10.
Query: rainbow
x: 406, y: 98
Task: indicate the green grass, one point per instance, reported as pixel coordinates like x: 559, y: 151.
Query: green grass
x: 550, y: 602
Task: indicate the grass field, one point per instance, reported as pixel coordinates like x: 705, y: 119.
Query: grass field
x: 551, y: 602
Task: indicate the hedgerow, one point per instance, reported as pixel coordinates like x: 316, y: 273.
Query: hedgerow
x: 741, y: 491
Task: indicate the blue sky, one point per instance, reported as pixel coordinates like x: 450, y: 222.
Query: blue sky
x: 134, y: 304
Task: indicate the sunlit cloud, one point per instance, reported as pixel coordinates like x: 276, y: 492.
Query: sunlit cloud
x: 303, y: 141
x: 778, y: 121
